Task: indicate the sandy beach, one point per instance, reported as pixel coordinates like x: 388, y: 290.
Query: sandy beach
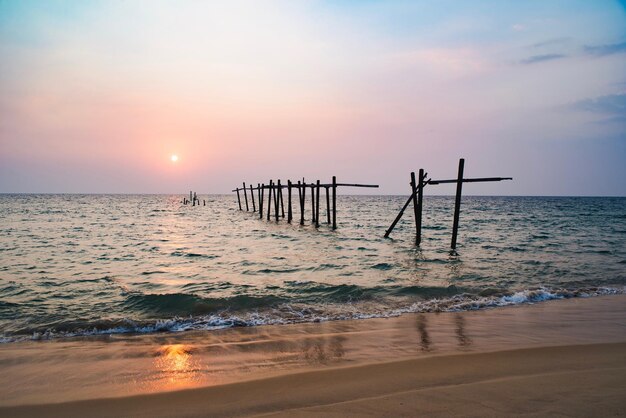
x: 556, y: 358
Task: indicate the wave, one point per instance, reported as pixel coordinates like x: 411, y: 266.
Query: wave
x: 211, y: 314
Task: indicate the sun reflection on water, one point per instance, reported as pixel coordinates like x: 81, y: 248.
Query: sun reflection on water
x: 177, y: 367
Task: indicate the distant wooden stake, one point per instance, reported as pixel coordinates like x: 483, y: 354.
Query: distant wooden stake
x: 457, y: 203
x: 334, y: 202
x: 327, y: 206
x: 276, y: 198
x: 252, y: 196
x: 245, y: 194
x: 414, y: 196
x: 289, y: 212
x: 301, y: 192
x: 269, y: 201
x: 261, y: 193
x: 312, y: 203
x: 239, y: 199
x: 280, y: 196
x: 317, y: 205
x: 420, y: 201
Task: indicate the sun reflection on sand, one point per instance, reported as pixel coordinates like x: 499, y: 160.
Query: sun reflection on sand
x: 177, y: 368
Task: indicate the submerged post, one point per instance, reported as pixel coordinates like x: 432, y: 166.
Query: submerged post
x: 252, y: 196
x: 327, y: 205
x: 414, y: 197
x: 301, y: 194
x: 245, y: 194
x: 280, y: 196
x: 317, y: 205
x: 457, y: 203
x: 334, y: 202
x: 269, y: 201
x: 261, y: 192
x: 420, y: 200
x: 312, y: 203
x: 289, y: 211
x: 238, y: 199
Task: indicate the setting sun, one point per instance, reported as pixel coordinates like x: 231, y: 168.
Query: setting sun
x: 174, y: 158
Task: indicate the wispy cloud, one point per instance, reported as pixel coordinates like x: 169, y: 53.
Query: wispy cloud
x: 550, y: 42
x: 542, y: 58
x: 607, y: 49
x: 612, y: 104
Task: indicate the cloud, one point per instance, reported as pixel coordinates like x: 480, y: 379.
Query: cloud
x: 518, y: 27
x: 542, y: 58
x: 612, y: 104
x: 607, y: 49
x: 549, y: 42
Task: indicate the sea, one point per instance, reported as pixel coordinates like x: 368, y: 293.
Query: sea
x: 83, y: 265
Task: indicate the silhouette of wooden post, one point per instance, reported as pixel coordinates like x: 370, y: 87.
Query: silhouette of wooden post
x: 276, y: 199
x: 190, y: 195
x: 327, y: 206
x: 269, y: 201
x: 252, y: 196
x: 334, y: 202
x: 420, y: 201
x: 312, y: 203
x: 414, y: 196
x: 245, y: 194
x: 457, y: 203
x: 261, y: 192
x: 289, y: 211
x: 317, y: 205
x: 238, y: 199
x: 301, y: 194
x: 280, y: 197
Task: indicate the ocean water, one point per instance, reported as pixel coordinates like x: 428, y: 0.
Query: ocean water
x: 101, y: 264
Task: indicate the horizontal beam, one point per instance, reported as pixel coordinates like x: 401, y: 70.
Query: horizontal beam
x: 476, y: 180
x: 296, y: 186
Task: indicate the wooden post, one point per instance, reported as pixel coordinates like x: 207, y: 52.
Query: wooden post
x: 317, y: 205
x: 238, y: 199
x: 203, y: 202
x: 301, y: 193
x: 327, y: 206
x: 289, y: 211
x: 269, y: 200
x: 280, y: 197
x: 245, y: 194
x: 414, y: 195
x: 261, y: 193
x: 420, y: 201
x: 276, y: 198
x: 190, y: 195
x: 334, y: 202
x: 312, y: 203
x: 457, y: 203
x: 252, y: 196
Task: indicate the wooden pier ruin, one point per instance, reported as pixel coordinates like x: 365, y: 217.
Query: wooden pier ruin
x: 417, y: 197
x: 275, y: 201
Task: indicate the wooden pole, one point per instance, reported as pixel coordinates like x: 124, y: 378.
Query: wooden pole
x: 334, y: 202
x: 420, y: 201
x: 414, y: 195
x: 457, y: 203
x: 245, y: 194
x: 327, y: 206
x: 252, y: 196
x: 317, y: 205
x: 280, y: 196
x: 238, y: 199
x: 301, y: 194
x: 276, y: 202
x: 269, y: 200
x: 312, y: 203
x: 289, y: 211
x: 261, y: 193
x: 190, y: 195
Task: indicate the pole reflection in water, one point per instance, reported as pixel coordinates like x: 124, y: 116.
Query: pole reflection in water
x: 424, y: 337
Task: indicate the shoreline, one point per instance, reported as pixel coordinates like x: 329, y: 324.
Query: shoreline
x: 41, y: 377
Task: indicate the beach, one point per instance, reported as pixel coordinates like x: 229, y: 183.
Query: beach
x: 564, y: 357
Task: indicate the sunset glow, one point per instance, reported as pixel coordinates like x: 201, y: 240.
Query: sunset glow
x: 174, y: 158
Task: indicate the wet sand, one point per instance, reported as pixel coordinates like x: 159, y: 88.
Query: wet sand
x: 561, y: 357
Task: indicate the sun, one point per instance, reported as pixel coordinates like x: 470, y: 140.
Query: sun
x: 174, y: 158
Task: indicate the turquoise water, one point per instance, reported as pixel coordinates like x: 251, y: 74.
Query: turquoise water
x: 98, y: 264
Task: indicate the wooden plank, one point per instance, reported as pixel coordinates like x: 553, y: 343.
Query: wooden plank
x: 334, y: 202
x: 457, y: 203
x: 327, y: 205
x: 289, y: 211
x: 245, y: 194
x: 414, y: 196
x: 317, y: 205
x: 269, y: 201
x: 252, y: 196
x: 420, y: 201
x: 239, y: 199
x: 261, y: 192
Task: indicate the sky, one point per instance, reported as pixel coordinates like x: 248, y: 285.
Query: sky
x: 96, y: 96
